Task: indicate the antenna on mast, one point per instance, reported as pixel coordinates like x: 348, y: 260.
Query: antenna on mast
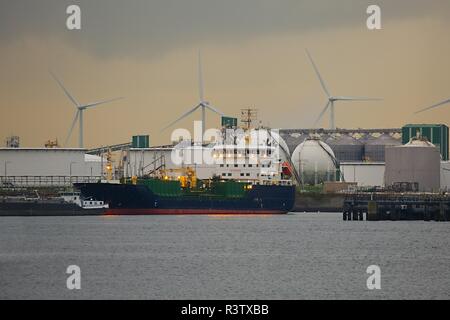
x: 248, y: 116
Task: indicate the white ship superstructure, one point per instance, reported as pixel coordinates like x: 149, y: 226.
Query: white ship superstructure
x: 251, y: 156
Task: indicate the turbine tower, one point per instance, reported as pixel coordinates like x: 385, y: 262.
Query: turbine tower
x: 434, y: 106
x: 202, y: 103
x: 331, y: 98
x: 79, y: 112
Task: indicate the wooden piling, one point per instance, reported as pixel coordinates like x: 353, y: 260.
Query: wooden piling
x: 372, y: 211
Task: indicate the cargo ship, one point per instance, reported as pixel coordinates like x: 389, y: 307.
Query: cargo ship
x: 154, y: 196
x: 244, y: 179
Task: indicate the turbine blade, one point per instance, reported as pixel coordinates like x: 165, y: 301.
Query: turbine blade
x: 200, y: 77
x: 356, y: 99
x: 213, y: 109
x: 322, y: 113
x: 183, y: 116
x: 324, y: 87
x: 64, y: 89
x: 434, y: 106
x: 71, y: 128
x: 93, y: 104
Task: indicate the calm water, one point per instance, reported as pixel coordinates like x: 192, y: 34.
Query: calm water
x: 298, y: 256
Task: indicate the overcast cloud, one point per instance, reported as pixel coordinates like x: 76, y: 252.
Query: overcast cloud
x: 148, y: 28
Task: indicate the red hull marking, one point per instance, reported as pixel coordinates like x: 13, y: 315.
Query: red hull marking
x: 138, y: 212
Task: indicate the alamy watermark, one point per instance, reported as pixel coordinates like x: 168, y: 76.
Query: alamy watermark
x: 73, y: 21
x: 230, y: 146
x: 374, y: 20
x: 374, y: 280
x: 74, y: 280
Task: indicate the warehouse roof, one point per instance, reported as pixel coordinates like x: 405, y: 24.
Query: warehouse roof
x: 42, y: 149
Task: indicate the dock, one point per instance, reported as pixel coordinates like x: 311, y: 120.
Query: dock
x: 396, y: 206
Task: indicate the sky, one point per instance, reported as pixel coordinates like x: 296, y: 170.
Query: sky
x: 253, y: 54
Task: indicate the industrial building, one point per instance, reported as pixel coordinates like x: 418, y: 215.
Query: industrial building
x: 365, y: 174
x: 47, y: 166
x: 437, y: 134
x: 348, y: 145
x: 362, y: 153
x: 374, y: 148
x: 359, y: 155
x: 445, y: 176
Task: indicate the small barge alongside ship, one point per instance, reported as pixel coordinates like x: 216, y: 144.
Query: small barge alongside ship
x: 69, y: 204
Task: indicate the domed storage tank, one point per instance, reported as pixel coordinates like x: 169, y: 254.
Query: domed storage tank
x: 419, y: 161
x: 293, y: 139
x: 346, y: 148
x: 374, y: 149
x: 324, y: 136
x: 314, y: 161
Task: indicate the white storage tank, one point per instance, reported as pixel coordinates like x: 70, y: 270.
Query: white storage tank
x: 314, y: 161
x: 293, y: 139
x: 415, y: 162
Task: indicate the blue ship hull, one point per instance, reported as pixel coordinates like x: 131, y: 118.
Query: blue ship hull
x: 139, y: 199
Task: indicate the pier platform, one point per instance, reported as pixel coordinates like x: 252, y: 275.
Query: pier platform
x: 396, y: 206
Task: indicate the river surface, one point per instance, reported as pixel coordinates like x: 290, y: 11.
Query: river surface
x: 294, y: 256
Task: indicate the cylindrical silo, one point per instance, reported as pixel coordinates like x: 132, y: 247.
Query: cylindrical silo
x: 416, y: 162
x: 346, y: 148
x: 374, y: 149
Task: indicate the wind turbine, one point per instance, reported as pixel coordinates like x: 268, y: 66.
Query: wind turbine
x: 79, y: 112
x: 434, y: 106
x: 202, y: 103
x: 331, y: 98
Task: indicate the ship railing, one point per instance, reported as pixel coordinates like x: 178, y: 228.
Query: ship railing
x: 282, y: 182
x: 45, y: 181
